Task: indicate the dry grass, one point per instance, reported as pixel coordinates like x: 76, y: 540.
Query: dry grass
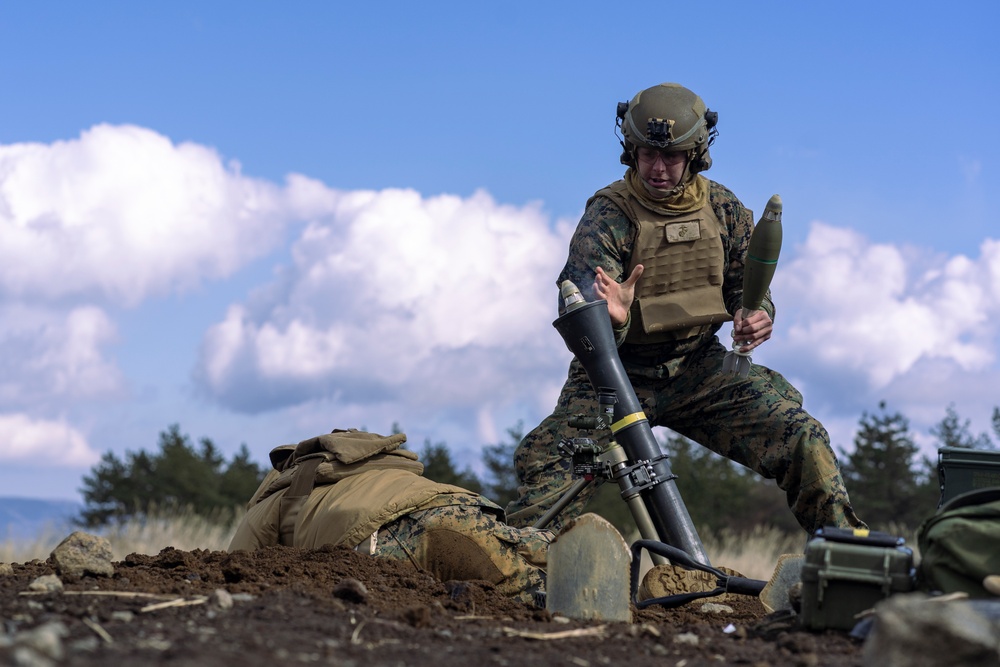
x: 182, y: 530
x: 752, y: 553
x: 23, y: 550
x: 755, y: 553
x: 185, y: 531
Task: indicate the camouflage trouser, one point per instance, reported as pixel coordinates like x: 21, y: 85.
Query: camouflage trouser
x: 465, y: 543
x: 758, y: 422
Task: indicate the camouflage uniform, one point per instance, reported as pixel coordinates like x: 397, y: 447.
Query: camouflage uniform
x: 361, y: 490
x: 758, y: 421
x: 462, y: 542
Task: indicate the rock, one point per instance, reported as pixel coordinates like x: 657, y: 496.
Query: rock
x: 48, y: 583
x: 221, y: 599
x: 650, y: 630
x: 908, y: 629
x: 689, y: 638
x: 715, y: 608
x: 81, y: 554
x: 6, y: 569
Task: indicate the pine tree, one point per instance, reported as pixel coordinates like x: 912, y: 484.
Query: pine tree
x: 439, y: 466
x: 952, y: 432
x: 723, y: 495
x: 178, y: 477
x: 501, y: 483
x: 883, y: 474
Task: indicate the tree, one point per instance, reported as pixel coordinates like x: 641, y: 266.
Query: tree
x: 886, y: 482
x: 723, y: 495
x: 178, y: 477
x: 438, y: 466
x: 501, y: 483
x: 952, y: 432
x: 241, y: 477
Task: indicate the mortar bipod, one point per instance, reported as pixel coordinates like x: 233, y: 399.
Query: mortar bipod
x: 591, y: 464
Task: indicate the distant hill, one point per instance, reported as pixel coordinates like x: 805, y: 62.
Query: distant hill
x: 22, y: 518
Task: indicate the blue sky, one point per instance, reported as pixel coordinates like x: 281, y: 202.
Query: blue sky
x: 264, y: 221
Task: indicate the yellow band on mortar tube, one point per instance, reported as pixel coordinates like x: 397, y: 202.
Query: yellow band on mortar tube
x: 628, y: 420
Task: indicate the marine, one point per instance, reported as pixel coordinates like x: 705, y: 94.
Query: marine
x: 364, y: 491
x: 667, y: 248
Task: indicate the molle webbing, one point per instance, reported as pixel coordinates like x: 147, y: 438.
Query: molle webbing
x: 303, y: 481
x: 341, y: 453
x: 680, y: 292
x: 304, y: 478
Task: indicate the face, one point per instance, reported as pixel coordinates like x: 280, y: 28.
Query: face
x: 663, y: 170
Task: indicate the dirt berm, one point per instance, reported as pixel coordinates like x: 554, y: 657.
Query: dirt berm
x: 283, y: 606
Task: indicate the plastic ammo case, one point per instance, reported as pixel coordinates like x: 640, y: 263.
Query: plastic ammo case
x: 845, y: 572
x: 961, y: 469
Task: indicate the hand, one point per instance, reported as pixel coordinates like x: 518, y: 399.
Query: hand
x: 618, y: 295
x: 751, y: 331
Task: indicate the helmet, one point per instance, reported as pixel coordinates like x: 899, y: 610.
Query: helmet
x: 668, y: 116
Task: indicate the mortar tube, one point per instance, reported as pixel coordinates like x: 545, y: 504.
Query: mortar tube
x: 586, y: 329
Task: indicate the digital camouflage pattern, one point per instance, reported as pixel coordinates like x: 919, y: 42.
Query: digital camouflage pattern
x: 756, y: 421
x: 462, y: 542
x: 337, y: 488
x: 605, y: 237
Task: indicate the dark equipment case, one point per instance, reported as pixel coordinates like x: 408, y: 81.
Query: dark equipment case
x: 846, y: 572
x: 962, y: 469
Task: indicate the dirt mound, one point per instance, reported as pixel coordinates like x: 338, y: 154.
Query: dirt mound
x: 336, y: 606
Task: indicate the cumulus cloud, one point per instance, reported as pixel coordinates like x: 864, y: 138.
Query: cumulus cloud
x: 411, y: 306
x: 861, y: 322
x: 108, y: 219
x: 878, y: 309
x: 443, y: 300
x: 27, y: 440
x: 51, y: 356
x: 122, y: 212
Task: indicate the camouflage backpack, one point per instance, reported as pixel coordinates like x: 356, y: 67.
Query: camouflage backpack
x: 960, y: 544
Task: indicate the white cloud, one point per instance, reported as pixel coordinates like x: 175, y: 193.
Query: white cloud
x: 48, y: 357
x: 443, y: 302
x: 53, y: 443
x: 402, y: 307
x: 122, y: 213
x: 112, y: 217
x: 878, y: 309
x: 859, y: 323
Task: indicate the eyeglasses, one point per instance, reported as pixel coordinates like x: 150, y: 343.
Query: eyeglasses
x: 670, y: 158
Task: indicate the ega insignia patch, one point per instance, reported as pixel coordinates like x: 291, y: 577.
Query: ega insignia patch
x: 678, y: 232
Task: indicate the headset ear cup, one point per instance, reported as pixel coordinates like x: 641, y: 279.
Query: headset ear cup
x: 626, y: 158
x: 701, y: 163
